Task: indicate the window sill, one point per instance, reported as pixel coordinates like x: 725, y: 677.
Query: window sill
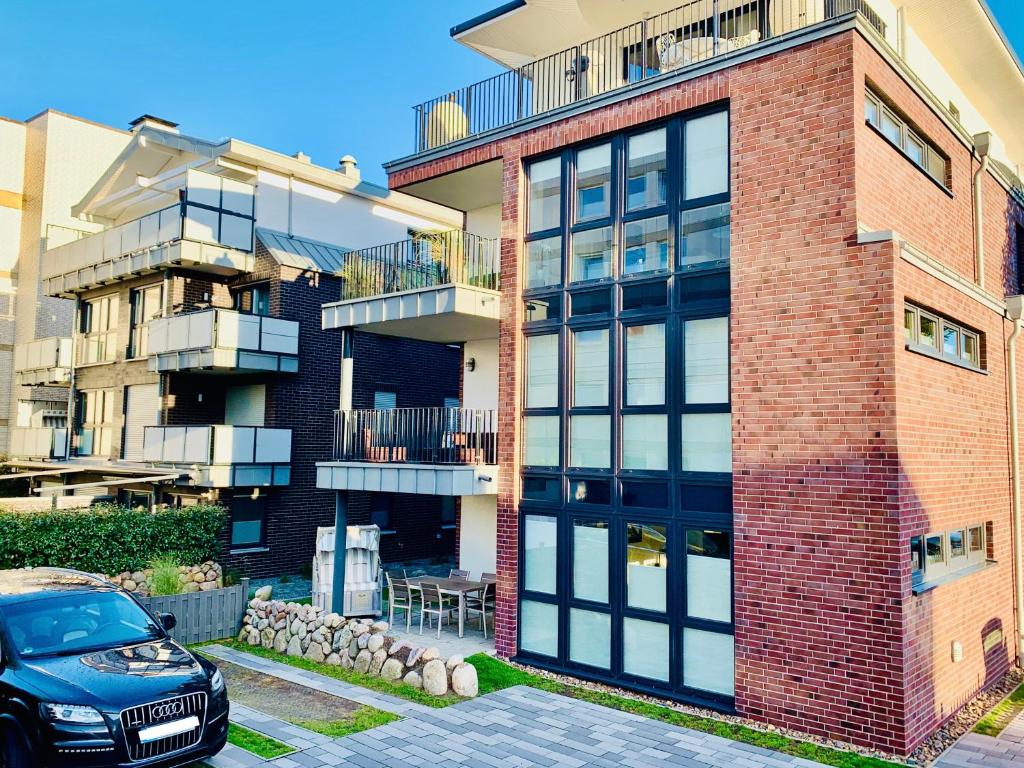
x: 448, y: 527
x: 922, y: 349
x: 248, y: 550
x: 388, y: 532
x: 910, y: 160
x: 927, y: 586
x: 93, y: 365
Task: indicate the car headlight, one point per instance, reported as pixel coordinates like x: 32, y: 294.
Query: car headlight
x: 216, y: 682
x: 71, y: 713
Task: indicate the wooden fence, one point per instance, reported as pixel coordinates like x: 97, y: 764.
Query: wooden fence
x: 213, y: 615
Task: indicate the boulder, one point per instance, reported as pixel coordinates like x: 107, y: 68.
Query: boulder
x: 414, y: 656
x: 363, y: 660
x: 253, y: 638
x: 334, y: 660
x: 346, y: 661
x: 281, y: 641
x: 392, y: 669
x: 129, y: 585
x: 375, y: 643
x: 377, y: 662
x: 379, y: 627
x: 267, y: 637
x: 413, y: 679
x: 363, y: 641
x: 208, y: 586
x: 453, y: 662
x: 360, y: 629
x: 435, y: 678
x: 464, y: 681
x: 396, y: 647
x: 353, y: 648
x: 294, y: 646
x: 314, y: 653
x: 430, y: 654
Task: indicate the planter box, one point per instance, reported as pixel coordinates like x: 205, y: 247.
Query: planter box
x: 202, y: 616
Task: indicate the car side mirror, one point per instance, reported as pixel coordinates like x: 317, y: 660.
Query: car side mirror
x: 168, y: 621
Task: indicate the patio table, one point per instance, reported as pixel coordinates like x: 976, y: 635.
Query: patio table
x: 449, y: 586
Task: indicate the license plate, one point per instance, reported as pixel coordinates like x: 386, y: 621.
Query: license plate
x: 163, y: 730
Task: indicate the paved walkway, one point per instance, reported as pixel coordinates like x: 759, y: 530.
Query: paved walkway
x: 977, y: 751
x: 518, y: 727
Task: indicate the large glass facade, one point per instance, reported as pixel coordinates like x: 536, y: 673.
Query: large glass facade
x: 626, y: 511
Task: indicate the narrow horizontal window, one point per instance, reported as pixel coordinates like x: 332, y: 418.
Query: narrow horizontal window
x: 941, y: 336
x: 909, y: 141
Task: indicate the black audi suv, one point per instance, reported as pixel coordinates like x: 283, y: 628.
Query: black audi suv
x: 89, y: 677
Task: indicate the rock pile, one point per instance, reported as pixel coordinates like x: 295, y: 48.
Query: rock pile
x: 194, y: 578
x: 362, y: 645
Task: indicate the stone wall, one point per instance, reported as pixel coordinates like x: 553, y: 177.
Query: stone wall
x: 193, y: 578
x: 362, y: 645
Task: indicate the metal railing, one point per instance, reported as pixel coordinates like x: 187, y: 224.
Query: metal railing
x: 689, y: 34
x: 223, y: 328
x: 216, y: 444
x: 43, y: 354
x: 423, y: 262
x: 417, y: 436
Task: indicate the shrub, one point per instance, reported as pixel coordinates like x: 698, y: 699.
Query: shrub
x: 109, y: 538
x: 165, y: 579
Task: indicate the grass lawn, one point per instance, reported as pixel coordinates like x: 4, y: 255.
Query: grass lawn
x: 495, y: 675
x: 257, y: 743
x: 363, y: 719
x: 1000, y: 716
x: 347, y: 675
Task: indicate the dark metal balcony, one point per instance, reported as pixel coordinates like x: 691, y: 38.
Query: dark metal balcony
x: 416, y: 436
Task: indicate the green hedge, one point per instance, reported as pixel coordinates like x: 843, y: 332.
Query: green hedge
x: 109, y: 538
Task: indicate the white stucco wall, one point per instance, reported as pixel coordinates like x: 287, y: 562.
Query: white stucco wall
x: 12, y: 180
x: 478, y: 535
x: 485, y: 222
x: 480, y: 386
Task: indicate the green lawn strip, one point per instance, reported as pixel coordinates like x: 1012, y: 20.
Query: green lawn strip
x: 363, y: 719
x: 347, y: 675
x: 1001, y: 714
x: 257, y: 743
x: 495, y: 675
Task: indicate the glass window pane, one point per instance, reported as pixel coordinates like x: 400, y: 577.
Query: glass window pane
x: 590, y: 367
x: 645, y: 442
x: 548, y: 308
x: 929, y: 330
x: 950, y: 340
x: 937, y: 166
x: 915, y: 149
x: 970, y: 351
x: 708, y: 661
x: 934, y: 550
x: 542, y: 488
x: 590, y: 560
x: 645, y: 364
x: 542, y: 371
x: 871, y: 110
x: 646, y: 246
x: 909, y: 324
x: 545, y: 194
x: 708, y: 575
x: 704, y: 235
x: 977, y: 539
x: 593, y: 182
x: 646, y: 174
x: 592, y: 254
x: 957, y: 544
x: 645, y: 649
x: 916, y: 554
x: 707, y: 155
x: 538, y: 627
x: 644, y: 296
x: 590, y: 441
x: 590, y: 638
x: 650, y: 495
x: 540, y: 441
x: 544, y: 262
x: 892, y: 129
x: 707, y: 442
x: 591, y: 303
x: 540, y: 551
x: 706, y: 360
x: 646, y: 566
x: 590, y: 492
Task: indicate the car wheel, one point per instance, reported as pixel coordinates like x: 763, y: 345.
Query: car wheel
x: 13, y: 749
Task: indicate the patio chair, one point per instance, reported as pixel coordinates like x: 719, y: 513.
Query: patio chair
x: 433, y: 603
x: 491, y: 577
x: 478, y: 603
x: 457, y: 574
x: 400, y: 597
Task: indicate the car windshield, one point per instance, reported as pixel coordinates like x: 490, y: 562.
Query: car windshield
x: 77, y: 621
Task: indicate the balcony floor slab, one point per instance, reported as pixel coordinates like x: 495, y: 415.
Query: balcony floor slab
x: 425, y: 479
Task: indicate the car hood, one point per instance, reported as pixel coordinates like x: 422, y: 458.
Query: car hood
x: 115, y: 678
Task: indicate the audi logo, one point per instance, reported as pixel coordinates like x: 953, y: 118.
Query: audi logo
x: 170, y: 709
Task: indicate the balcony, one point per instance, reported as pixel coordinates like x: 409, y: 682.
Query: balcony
x: 210, y: 230
x: 435, y: 451
x: 660, y: 46
x: 441, y: 288
x: 223, y: 456
x: 223, y: 341
x: 43, y: 362
x: 38, y: 442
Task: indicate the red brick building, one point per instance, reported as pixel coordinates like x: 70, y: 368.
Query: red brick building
x: 797, y: 502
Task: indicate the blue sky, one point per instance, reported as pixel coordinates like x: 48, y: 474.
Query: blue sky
x: 326, y: 77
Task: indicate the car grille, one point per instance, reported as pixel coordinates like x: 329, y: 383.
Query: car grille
x: 167, y: 710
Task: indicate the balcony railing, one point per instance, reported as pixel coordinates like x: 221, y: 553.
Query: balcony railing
x: 43, y: 361
x: 692, y: 33
x: 225, y: 455
x: 433, y: 260
x: 38, y: 442
x: 417, y: 436
x: 223, y: 338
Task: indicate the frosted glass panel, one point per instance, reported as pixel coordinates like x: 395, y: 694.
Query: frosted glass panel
x: 706, y: 352
x: 590, y: 638
x: 707, y: 442
x: 708, y: 661
x: 545, y: 194
x: 708, y: 575
x: 542, y: 371
x: 646, y: 566
x: 590, y: 367
x: 538, y: 628
x: 540, y: 441
x: 540, y: 545
x: 645, y: 364
x: 645, y: 649
x: 707, y: 155
x: 590, y: 560
x: 590, y: 441
x: 645, y: 442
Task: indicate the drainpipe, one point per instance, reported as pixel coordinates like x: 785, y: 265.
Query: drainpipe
x: 1015, y: 312
x: 982, y: 144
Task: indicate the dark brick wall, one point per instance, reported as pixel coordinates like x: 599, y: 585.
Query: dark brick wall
x: 423, y: 374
